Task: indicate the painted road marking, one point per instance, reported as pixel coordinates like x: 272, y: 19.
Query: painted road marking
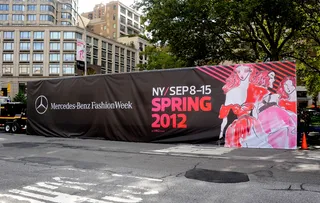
x: 16, y: 197
x: 137, y: 177
x: 53, y: 191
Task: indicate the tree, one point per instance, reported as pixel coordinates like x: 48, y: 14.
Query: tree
x: 160, y: 58
x: 307, y: 48
x: 187, y: 26
x: 218, y: 30
x: 20, y: 97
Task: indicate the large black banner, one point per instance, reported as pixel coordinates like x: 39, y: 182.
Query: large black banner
x: 194, y: 105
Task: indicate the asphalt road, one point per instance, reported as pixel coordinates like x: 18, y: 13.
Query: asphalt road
x: 38, y: 169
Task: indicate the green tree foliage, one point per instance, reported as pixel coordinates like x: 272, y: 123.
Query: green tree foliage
x: 160, y: 58
x: 218, y: 30
x: 307, y: 47
x: 20, y: 97
x: 188, y: 27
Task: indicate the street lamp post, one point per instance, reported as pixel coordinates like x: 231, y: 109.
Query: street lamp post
x: 84, y: 33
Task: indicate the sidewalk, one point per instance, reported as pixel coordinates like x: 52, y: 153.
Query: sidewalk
x: 181, y: 150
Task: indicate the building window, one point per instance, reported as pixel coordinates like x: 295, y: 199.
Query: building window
x: 24, y: 57
x: 114, y: 7
x: 114, y: 35
x: 54, y: 69
x: 114, y: 17
x: 89, y: 40
x: 103, y: 54
x: 69, y: 46
x: 17, y: 7
x: 3, y: 17
x: 38, y: 35
x: 24, y: 35
x: 68, y: 57
x: 123, y: 28
x: 103, y: 64
x: 78, y: 35
x: 47, y: 18
x: 54, y: 57
x: 65, y: 15
x: 8, y: 35
x: 68, y: 69
x: 122, y: 10
x: 66, y: 6
x: 7, y: 69
x: 37, y: 69
x: 32, y: 17
x: 136, y: 18
x: 95, y: 61
x: 95, y: 41
x: 7, y: 57
x: 95, y: 52
x: 32, y: 7
x: 54, y: 35
x: 123, y: 19
x: 4, y: 7
x: 130, y: 14
x: 114, y: 25
x: 37, y: 57
x: 65, y: 23
x: 129, y: 22
x: 104, y: 45
x: 46, y: 8
x: 24, y: 45
x: 24, y: 69
x: 17, y: 17
x: 8, y: 46
x: 109, y: 67
x: 109, y: 47
x: 38, y: 46
x: 116, y: 68
x: 69, y: 35
x: 136, y: 25
x: 54, y: 46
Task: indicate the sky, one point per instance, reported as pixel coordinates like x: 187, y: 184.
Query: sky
x: 87, y: 5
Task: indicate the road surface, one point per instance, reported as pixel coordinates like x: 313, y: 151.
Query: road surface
x: 38, y: 169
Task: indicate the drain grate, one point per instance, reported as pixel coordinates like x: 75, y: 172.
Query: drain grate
x: 216, y: 176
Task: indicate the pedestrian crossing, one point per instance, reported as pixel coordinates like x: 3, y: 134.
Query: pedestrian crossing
x: 111, y: 188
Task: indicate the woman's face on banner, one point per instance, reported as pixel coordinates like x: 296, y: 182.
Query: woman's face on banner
x: 243, y: 72
x: 289, y: 87
x: 272, y: 76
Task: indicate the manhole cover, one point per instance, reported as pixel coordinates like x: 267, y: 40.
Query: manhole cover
x: 216, y: 176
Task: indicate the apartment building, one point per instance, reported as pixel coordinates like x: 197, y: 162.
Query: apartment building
x: 137, y: 43
x: 99, y: 11
x: 38, y: 12
x: 114, y: 20
x: 39, y: 52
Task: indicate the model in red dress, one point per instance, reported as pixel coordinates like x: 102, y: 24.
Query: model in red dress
x: 241, y: 97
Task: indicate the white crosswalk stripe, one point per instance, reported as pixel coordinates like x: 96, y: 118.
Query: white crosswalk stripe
x: 55, y: 190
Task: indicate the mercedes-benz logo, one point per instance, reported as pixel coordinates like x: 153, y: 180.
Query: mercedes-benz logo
x: 41, y: 104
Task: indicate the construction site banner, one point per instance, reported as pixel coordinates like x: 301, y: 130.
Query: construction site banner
x: 243, y: 105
